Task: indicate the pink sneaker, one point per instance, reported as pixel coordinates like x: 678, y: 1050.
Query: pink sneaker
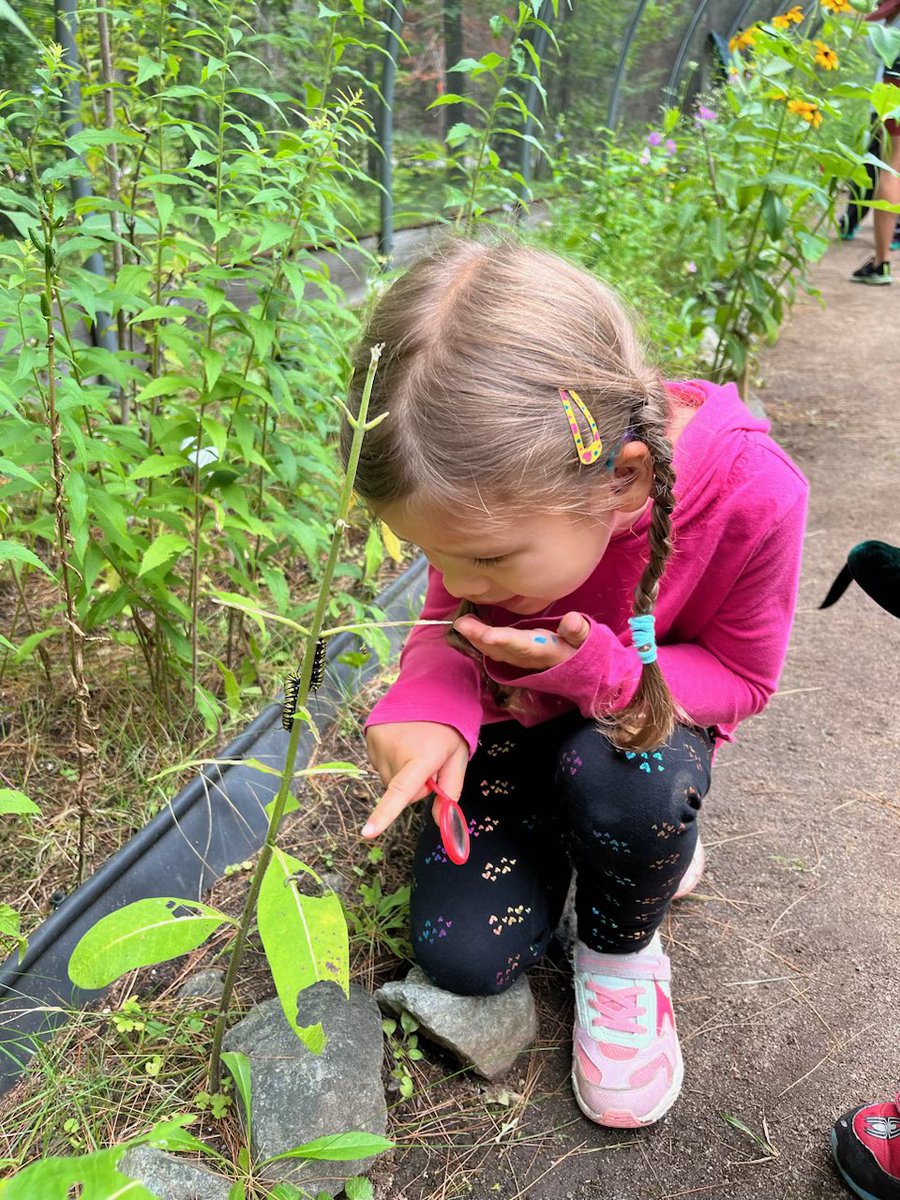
x: 693, y: 874
x: 627, y: 1067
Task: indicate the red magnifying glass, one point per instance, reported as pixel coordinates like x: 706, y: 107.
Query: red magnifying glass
x: 452, y: 824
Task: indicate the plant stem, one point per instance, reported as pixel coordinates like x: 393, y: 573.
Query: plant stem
x: 468, y: 217
x: 360, y: 428
x: 112, y: 170
x: 83, y: 728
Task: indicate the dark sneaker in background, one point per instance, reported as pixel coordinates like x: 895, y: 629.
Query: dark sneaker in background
x: 872, y: 272
x: 865, y: 1143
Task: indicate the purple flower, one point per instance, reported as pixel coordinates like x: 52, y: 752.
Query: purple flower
x: 706, y: 114
x: 691, y: 267
x: 671, y: 147
x: 654, y: 138
x: 645, y: 158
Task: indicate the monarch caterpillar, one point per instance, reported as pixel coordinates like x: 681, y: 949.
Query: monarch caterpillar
x: 292, y: 687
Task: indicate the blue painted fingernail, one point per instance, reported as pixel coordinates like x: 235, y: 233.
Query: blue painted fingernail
x: 538, y: 638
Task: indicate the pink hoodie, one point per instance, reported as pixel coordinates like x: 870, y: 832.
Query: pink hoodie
x: 725, y: 605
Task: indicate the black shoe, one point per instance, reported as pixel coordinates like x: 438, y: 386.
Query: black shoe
x: 872, y: 272
x: 865, y: 1143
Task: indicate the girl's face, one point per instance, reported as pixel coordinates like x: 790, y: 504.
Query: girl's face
x: 523, y: 566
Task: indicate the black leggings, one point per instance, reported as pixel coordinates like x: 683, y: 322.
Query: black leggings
x: 539, y: 801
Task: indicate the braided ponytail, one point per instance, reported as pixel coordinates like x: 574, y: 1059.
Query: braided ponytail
x: 649, y: 719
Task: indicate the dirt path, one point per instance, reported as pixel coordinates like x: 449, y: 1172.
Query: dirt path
x: 786, y: 966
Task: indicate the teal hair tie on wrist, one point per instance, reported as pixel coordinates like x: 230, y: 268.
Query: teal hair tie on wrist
x: 643, y: 636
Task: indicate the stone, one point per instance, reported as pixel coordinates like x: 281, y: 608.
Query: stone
x: 170, y: 1177
x: 298, y: 1096
x: 204, y: 985
x: 487, y: 1033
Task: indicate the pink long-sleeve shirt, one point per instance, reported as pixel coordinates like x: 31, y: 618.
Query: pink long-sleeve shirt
x: 723, y: 616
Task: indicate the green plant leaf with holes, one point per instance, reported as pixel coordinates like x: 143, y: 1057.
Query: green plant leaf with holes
x: 305, y: 939
x: 140, y: 935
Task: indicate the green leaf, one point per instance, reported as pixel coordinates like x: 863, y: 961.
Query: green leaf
x: 159, y: 464
x: 27, y: 648
x: 774, y: 215
x: 55, y: 1178
x: 163, y: 550
x: 147, y: 69
x: 885, y: 41
x: 12, y: 550
x: 359, y: 1188
x: 140, y: 935
x: 9, y: 928
x: 239, y: 1066
x: 8, y: 14
x: 12, y: 801
x: 337, y: 1147
x: 458, y: 133
x: 305, y: 939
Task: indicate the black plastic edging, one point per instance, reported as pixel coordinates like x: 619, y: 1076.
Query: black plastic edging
x: 218, y: 818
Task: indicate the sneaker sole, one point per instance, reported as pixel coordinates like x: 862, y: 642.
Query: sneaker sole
x: 873, y: 281
x: 688, y: 885
x: 854, y: 1187
x: 619, y: 1118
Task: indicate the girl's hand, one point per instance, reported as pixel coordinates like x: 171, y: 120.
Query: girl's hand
x: 530, y: 649
x: 405, y: 754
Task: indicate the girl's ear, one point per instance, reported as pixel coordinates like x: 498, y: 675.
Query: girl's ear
x: 632, y: 477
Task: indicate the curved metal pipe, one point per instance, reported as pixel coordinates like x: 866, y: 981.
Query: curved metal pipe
x: 669, y: 92
x: 386, y: 129
x: 612, y: 111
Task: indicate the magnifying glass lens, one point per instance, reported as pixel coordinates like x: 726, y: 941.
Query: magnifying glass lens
x: 459, y: 834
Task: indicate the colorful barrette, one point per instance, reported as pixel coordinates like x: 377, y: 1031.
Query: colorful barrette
x: 590, y: 453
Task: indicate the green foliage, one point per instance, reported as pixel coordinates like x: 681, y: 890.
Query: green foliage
x: 194, y: 440
x: 403, y: 1043
x: 498, y: 110
x: 710, y: 224
x: 320, y: 952
x: 140, y: 935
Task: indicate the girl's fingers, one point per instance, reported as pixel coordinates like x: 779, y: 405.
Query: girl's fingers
x: 574, y: 629
x: 405, y: 788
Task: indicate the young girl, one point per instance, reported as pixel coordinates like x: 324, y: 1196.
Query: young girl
x: 568, y: 501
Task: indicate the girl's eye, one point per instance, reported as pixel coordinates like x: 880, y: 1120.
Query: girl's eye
x: 488, y: 562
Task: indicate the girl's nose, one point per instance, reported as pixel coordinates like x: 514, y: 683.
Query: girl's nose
x: 465, y: 585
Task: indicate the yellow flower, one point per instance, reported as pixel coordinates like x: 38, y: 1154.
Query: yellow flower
x: 808, y: 111
x: 837, y: 6
x: 778, y: 96
x: 825, y: 56
x: 792, y: 17
x: 742, y: 41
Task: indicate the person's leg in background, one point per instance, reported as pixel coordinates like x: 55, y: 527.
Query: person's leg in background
x: 633, y: 832
x: 877, y: 270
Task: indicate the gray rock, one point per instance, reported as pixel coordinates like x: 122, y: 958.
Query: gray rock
x: 172, y: 1178
x: 298, y: 1096
x: 205, y: 985
x: 487, y: 1033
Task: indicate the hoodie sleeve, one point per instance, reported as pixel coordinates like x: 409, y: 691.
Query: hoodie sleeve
x: 435, y: 682
x: 727, y: 674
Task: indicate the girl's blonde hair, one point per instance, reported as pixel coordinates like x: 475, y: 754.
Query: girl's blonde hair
x: 478, y: 339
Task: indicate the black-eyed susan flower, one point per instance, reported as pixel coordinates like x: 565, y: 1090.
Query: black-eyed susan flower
x: 792, y: 17
x: 825, y: 56
x: 742, y: 41
x: 837, y: 6
x: 811, y: 113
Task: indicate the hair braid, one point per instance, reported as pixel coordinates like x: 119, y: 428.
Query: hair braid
x: 648, y: 720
